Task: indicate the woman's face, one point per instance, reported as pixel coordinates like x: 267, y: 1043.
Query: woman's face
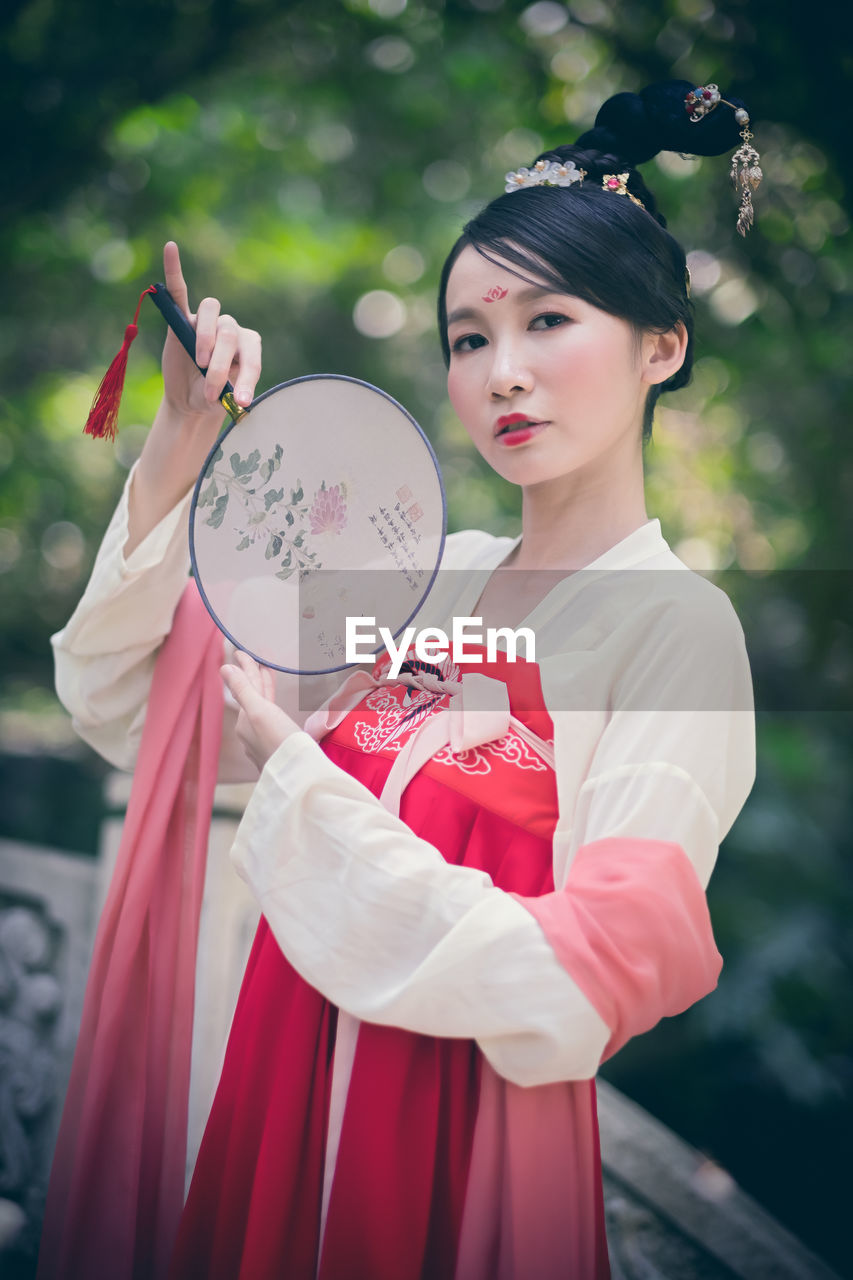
x: 546, y: 385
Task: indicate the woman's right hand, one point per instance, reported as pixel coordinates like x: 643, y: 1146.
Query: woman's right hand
x: 228, y: 351
x: 190, y: 415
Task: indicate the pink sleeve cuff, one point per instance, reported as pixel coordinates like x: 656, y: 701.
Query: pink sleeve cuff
x: 631, y: 928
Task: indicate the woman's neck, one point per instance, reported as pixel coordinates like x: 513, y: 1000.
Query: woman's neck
x: 570, y: 521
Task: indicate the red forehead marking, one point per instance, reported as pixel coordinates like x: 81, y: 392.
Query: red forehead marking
x: 495, y: 294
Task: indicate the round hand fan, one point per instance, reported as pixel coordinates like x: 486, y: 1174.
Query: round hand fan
x: 319, y: 513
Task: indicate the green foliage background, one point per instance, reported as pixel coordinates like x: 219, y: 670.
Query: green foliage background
x: 305, y: 155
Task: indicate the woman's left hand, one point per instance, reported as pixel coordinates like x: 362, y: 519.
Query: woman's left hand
x: 262, y: 726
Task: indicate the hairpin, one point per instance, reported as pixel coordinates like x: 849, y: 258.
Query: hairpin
x: 553, y: 173
x: 746, y: 171
x: 545, y: 173
x: 618, y: 184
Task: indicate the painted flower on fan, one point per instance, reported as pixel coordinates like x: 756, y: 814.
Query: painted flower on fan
x: 328, y: 511
x: 545, y: 173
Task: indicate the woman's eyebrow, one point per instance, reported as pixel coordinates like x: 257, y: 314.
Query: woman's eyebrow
x: 463, y: 313
x: 529, y: 294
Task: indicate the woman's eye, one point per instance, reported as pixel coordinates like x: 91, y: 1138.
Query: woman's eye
x: 549, y: 320
x: 470, y: 342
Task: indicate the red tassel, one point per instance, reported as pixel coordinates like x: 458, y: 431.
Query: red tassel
x: 103, y: 415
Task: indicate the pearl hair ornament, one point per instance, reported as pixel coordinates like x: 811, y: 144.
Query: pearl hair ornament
x: 746, y: 171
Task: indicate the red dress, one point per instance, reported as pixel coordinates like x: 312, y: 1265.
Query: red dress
x: 433, y: 1146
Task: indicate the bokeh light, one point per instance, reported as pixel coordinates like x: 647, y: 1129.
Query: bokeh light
x: 379, y: 314
x: 446, y: 180
x: 404, y: 264
x: 733, y: 301
x: 544, y: 18
x: 63, y: 546
x: 391, y: 54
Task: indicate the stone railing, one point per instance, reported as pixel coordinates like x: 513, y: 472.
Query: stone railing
x: 47, y: 902
x: 671, y: 1214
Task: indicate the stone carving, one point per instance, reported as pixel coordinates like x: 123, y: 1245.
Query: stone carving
x: 30, y: 1003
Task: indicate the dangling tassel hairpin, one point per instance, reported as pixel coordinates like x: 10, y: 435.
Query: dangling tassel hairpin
x: 746, y: 170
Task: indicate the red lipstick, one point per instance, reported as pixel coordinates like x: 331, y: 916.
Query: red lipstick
x: 516, y: 428
x: 509, y: 420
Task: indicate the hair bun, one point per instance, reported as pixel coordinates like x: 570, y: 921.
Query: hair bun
x: 639, y: 125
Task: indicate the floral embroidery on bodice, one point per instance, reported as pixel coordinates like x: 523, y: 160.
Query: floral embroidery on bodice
x: 387, y: 717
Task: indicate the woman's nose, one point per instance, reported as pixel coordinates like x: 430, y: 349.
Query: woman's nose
x: 509, y: 372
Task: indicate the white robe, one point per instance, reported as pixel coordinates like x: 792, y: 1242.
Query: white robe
x: 646, y: 678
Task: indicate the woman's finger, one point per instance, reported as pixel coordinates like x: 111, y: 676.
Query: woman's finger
x: 251, y: 670
x: 175, y: 282
x: 206, y: 324
x: 267, y: 683
x: 260, y: 677
x: 222, y: 355
x: 231, y: 676
x: 240, y: 688
x: 249, y: 370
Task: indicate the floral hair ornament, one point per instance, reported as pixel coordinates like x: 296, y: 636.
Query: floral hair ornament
x: 618, y: 184
x: 554, y: 173
x: 545, y: 173
x: 746, y: 171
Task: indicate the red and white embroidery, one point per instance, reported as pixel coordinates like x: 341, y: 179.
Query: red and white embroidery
x: 398, y: 710
x: 511, y: 748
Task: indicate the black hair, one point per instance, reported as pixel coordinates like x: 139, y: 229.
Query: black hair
x: 599, y: 246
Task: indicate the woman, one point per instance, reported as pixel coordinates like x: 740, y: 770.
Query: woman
x: 408, y: 1088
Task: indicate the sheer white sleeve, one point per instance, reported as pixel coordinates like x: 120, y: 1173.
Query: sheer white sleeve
x: 104, y: 657
x: 375, y: 919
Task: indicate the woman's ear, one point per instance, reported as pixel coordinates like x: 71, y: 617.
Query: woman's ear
x: 663, y: 353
